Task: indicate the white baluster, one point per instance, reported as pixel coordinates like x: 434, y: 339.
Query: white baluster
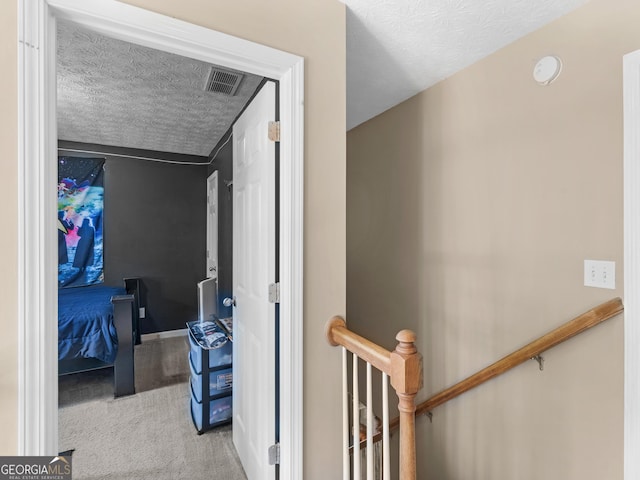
x: 369, y: 425
x: 386, y: 467
x: 356, y: 421
x: 346, y: 469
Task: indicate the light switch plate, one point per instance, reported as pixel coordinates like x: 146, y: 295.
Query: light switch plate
x: 600, y: 274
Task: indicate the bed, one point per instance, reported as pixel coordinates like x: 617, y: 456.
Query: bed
x: 97, y: 328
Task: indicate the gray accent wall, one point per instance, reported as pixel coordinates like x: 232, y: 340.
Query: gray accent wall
x: 155, y: 228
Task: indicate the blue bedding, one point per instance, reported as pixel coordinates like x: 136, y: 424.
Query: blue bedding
x: 85, y: 323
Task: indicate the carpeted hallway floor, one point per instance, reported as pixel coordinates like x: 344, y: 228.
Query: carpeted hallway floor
x: 148, y: 435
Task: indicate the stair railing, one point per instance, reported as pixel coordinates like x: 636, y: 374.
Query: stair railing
x: 403, y: 368
x: 531, y: 351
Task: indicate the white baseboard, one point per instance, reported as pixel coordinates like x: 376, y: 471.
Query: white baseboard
x: 159, y: 335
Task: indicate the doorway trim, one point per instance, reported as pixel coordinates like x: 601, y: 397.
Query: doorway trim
x: 631, y: 78
x: 37, y: 142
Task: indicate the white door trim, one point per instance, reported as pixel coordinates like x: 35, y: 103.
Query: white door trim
x: 37, y: 302
x: 631, y: 265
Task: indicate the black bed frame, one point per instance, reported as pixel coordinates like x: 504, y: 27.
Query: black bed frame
x: 126, y: 320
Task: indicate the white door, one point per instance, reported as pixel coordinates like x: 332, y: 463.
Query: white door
x: 212, y: 225
x: 254, y: 244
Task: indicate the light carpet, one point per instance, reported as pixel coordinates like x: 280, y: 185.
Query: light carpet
x: 149, y: 435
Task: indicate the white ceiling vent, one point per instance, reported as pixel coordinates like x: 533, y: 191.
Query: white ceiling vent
x: 223, y: 81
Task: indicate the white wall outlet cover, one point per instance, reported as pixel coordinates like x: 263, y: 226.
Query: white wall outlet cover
x: 547, y: 69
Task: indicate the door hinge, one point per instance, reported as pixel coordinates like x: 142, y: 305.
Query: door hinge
x: 274, y: 454
x: 274, y: 131
x: 274, y: 292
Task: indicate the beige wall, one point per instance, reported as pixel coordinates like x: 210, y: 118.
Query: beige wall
x: 8, y: 242
x: 314, y: 29
x: 470, y: 209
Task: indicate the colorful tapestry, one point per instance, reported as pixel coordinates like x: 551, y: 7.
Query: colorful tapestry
x: 80, y: 206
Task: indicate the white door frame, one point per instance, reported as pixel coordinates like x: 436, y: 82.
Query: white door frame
x: 631, y: 78
x: 37, y: 144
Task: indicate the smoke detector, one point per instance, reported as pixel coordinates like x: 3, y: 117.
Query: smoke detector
x: 547, y: 69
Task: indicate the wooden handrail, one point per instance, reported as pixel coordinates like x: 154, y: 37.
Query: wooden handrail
x: 337, y: 333
x: 561, y: 334
x: 404, y: 367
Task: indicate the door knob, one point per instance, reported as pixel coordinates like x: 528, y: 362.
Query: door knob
x: 229, y: 302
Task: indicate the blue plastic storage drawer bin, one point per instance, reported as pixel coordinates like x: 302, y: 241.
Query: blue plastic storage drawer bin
x: 219, y: 411
x: 218, y: 346
x: 220, y: 381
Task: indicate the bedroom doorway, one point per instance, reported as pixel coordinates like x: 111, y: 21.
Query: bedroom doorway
x: 38, y: 409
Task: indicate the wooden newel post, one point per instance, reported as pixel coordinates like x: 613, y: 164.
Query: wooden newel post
x: 406, y: 379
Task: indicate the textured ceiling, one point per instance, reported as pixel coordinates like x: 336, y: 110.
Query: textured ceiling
x: 115, y: 93
x: 397, y: 48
